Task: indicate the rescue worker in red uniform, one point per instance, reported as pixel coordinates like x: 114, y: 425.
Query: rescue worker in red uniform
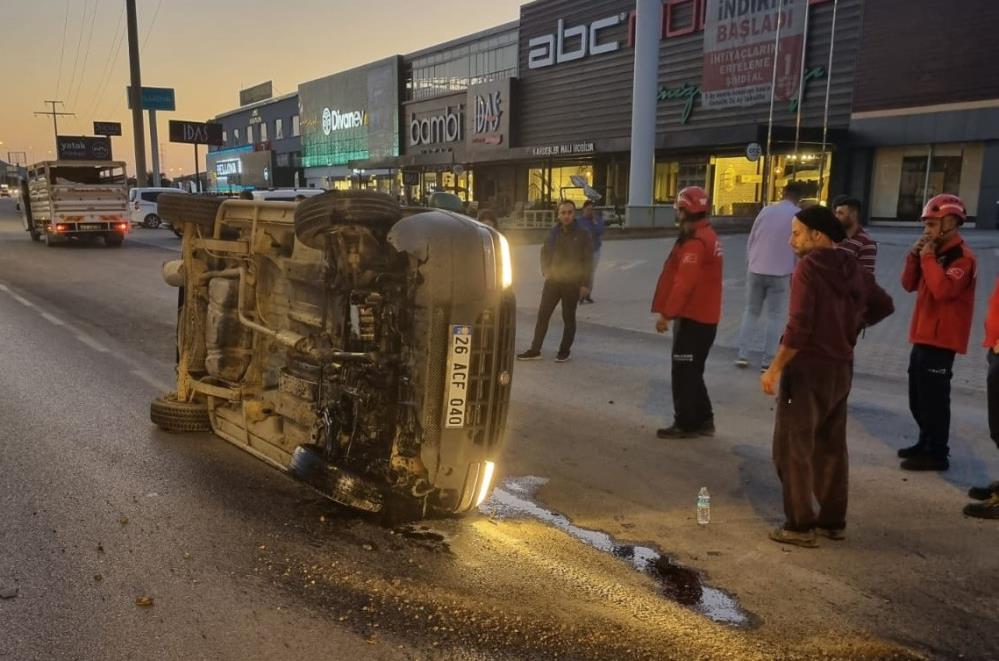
x: 990, y: 494
x: 689, y: 295
x: 942, y: 270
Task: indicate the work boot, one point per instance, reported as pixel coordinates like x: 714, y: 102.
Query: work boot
x: 707, y: 429
x: 741, y: 363
x: 987, y: 510
x: 983, y: 493
x: 562, y: 357
x: 530, y: 354
x: 802, y: 539
x: 911, y: 451
x: 925, y: 462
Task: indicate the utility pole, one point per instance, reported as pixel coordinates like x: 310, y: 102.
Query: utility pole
x: 55, y: 117
x: 135, y: 91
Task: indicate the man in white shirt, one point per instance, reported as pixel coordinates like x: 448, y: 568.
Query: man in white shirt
x: 771, y: 262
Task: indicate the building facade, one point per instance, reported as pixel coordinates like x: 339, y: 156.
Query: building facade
x: 925, y: 117
x: 262, y: 147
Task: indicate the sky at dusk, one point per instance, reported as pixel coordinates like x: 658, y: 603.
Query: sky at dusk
x: 206, y: 49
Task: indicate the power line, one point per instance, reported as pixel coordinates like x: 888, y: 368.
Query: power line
x: 152, y: 23
x: 62, y: 48
x: 108, y: 67
x: 79, y: 42
x: 55, y: 116
x: 86, y: 53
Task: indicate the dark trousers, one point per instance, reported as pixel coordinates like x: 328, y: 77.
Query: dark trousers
x: 691, y: 344
x: 930, y: 372
x: 810, y: 442
x: 993, y: 394
x: 552, y: 293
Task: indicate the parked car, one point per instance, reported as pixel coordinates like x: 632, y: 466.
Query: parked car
x: 286, y: 194
x: 143, y: 207
x: 363, y: 348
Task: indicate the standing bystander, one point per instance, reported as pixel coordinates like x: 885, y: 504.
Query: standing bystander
x: 990, y: 494
x: 566, y: 264
x: 832, y: 298
x: 771, y: 262
x: 593, y: 222
x: 857, y: 241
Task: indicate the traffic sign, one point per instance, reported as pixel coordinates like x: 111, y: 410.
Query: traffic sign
x: 154, y: 98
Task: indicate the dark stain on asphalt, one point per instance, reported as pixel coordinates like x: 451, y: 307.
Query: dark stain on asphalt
x: 514, y: 499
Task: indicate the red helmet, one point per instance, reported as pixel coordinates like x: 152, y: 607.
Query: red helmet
x: 945, y: 204
x: 692, y: 198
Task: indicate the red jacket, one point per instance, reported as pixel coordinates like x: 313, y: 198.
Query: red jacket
x: 992, y: 320
x: 945, y: 301
x: 690, y: 285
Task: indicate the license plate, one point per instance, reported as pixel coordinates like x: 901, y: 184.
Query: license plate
x: 457, y: 376
x: 90, y: 226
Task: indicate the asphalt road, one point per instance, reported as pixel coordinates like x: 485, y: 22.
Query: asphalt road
x: 99, y: 509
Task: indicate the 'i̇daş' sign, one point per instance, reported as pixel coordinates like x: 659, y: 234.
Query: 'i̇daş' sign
x: 739, y: 38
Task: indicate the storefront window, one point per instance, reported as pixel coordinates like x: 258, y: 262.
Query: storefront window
x: 249, y: 134
x: 548, y: 185
x: 804, y: 169
x: 737, y: 186
x: 665, y: 183
x: 295, y: 128
x: 235, y: 136
x: 945, y: 177
x: 279, y: 129
x: 263, y: 132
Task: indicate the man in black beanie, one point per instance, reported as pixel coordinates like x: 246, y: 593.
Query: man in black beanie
x: 832, y: 298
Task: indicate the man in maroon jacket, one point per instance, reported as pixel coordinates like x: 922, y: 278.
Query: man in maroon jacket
x: 832, y: 298
x: 942, y: 269
x: 689, y: 294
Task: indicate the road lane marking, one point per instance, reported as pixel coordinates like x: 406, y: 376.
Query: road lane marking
x: 632, y: 264
x: 23, y: 301
x: 52, y: 319
x: 92, y: 343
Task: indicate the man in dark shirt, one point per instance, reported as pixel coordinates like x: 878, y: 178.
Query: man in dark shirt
x: 567, y: 266
x: 832, y: 299
x: 857, y: 241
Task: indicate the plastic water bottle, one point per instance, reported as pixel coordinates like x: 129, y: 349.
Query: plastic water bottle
x: 703, y: 507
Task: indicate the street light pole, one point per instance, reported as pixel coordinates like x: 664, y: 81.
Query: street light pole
x: 135, y: 94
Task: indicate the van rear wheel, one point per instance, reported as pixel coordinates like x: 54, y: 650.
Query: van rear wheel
x: 152, y: 221
x: 173, y: 416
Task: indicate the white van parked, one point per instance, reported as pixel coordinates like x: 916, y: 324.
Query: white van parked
x: 142, y: 205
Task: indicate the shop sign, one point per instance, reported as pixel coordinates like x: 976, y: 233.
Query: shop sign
x: 197, y: 133
x: 83, y: 148
x: 229, y: 167
x: 336, y: 120
x: 444, y: 126
x: 753, y: 152
x: 563, y: 150
x: 491, y: 105
x: 739, y: 51
x: 691, y: 93
x: 256, y: 93
x: 550, y: 49
x: 107, y: 128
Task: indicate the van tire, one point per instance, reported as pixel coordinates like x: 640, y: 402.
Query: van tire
x: 180, y: 208
x: 316, y: 216
x: 170, y: 415
x: 152, y: 221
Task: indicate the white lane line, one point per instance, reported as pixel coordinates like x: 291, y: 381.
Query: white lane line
x: 92, y: 343
x: 632, y: 264
x: 154, y: 245
x: 4, y: 288
x: 56, y: 321
x: 151, y: 380
x: 23, y: 301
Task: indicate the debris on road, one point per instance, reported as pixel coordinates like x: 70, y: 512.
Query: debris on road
x: 144, y: 602
x: 8, y: 593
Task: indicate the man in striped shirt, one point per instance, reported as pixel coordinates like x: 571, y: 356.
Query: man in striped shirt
x: 857, y: 241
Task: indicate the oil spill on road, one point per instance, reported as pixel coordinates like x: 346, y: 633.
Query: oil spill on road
x: 514, y: 498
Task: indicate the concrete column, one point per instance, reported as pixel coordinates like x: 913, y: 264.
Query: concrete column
x: 648, y: 23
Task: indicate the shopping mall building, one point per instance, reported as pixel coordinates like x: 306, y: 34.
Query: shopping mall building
x: 895, y: 108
